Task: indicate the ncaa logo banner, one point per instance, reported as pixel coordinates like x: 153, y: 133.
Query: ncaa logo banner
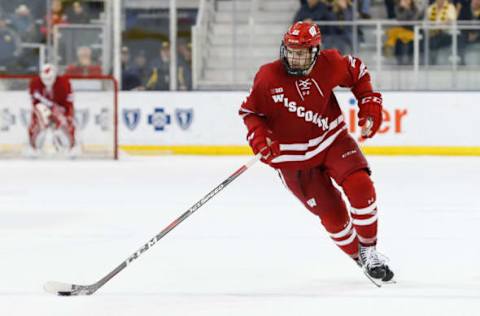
x: 184, y: 118
x: 131, y: 118
x: 81, y: 118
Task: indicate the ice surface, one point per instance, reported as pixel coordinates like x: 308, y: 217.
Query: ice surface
x: 252, y: 250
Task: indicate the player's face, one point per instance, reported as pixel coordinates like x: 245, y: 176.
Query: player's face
x: 298, y: 58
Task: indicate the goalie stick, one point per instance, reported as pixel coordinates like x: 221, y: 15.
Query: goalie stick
x: 67, y: 289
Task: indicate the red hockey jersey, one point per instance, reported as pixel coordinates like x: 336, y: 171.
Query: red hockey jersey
x: 302, y: 112
x: 61, y: 94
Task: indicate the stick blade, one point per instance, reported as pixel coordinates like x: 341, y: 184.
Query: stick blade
x: 65, y: 289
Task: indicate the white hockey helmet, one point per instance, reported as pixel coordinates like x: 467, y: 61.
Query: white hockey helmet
x: 48, y: 75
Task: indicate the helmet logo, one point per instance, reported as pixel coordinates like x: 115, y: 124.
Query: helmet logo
x: 295, y: 32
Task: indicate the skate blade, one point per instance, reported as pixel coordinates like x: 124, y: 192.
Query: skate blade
x: 378, y: 283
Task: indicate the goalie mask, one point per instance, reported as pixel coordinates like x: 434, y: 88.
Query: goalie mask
x: 48, y: 75
x: 300, y: 48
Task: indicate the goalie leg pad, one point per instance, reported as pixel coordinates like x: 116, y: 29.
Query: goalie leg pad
x: 36, y: 135
x: 62, y: 140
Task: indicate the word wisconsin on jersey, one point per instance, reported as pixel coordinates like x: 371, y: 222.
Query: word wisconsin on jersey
x: 308, y: 116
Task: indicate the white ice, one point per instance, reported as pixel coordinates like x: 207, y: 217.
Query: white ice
x: 252, y: 250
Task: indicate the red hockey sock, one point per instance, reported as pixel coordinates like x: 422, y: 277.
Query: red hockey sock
x: 346, y: 239
x: 360, y: 192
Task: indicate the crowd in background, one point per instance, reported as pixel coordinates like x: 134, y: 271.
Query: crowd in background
x: 23, y: 22
x: 142, y: 73
x: 26, y: 22
x: 399, y: 39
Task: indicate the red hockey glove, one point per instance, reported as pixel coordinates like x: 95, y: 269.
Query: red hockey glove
x: 262, y: 141
x: 370, y: 114
x: 58, y: 117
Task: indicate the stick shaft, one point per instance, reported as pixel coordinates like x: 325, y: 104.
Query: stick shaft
x: 174, y: 224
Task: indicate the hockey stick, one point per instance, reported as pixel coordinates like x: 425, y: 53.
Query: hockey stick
x: 67, y: 289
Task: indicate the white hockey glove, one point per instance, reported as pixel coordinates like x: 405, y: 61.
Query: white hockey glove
x: 42, y: 112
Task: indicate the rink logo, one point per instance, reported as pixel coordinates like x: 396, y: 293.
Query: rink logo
x: 25, y: 117
x: 131, y: 118
x: 102, y: 119
x: 159, y: 119
x: 184, y: 118
x: 81, y: 118
x: 300, y: 111
x: 7, y: 119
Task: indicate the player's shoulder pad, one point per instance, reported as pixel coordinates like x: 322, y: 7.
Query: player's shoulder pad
x: 331, y: 55
x: 35, y: 82
x: 268, y: 70
x: 63, y: 81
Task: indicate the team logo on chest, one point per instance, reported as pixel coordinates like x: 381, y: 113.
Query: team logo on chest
x: 301, y: 112
x: 304, y: 86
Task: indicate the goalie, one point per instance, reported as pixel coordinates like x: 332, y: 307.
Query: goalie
x: 52, y: 110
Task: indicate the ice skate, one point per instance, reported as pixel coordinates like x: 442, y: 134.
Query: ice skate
x: 375, y: 266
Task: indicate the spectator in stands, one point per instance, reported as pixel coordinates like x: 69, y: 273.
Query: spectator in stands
x: 57, y: 12
x: 85, y: 66
x: 23, y: 22
x: 78, y: 14
x: 390, y: 6
x: 160, y: 69
x: 184, y: 72
x: 9, y: 45
x: 125, y: 57
x: 137, y: 74
x: 130, y: 80
x: 364, y: 9
x: 463, y: 9
x: 312, y: 10
x: 56, y: 17
x: 400, y: 39
x: 442, y: 12
x: 340, y: 36
x: 468, y: 10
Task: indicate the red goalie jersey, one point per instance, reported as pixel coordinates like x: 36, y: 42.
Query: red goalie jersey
x: 52, y: 108
x: 60, y: 94
x: 302, y: 112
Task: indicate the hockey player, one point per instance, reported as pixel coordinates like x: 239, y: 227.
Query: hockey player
x: 294, y: 121
x: 52, y: 109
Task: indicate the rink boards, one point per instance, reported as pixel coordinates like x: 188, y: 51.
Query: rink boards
x: 415, y: 123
